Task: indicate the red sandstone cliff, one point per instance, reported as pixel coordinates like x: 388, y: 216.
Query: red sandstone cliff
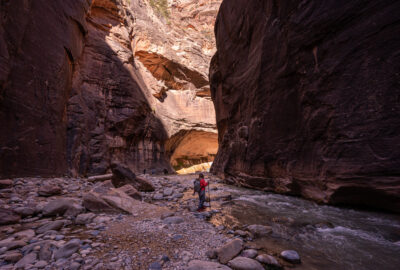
x: 80, y: 89
x: 307, y: 99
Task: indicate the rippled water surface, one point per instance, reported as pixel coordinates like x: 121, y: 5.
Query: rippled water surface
x: 326, y: 237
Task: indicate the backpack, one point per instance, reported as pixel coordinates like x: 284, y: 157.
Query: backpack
x: 197, y: 187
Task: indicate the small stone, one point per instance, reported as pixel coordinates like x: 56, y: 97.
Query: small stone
x: 158, y: 196
x: 243, y: 263
x: 291, y: 256
x: 155, y: 266
x: 211, y: 254
x: 13, y: 256
x: 240, y: 233
x: 48, y: 190
x: 84, y: 218
x: 68, y: 249
x: 8, y: 216
x: 249, y: 253
x: 173, y: 220
x: 26, y: 260
x: 267, y: 259
x: 52, y: 225
x: 168, y: 191
x: 41, y: 264
x: 114, y: 259
x: 205, y: 265
x: 259, y: 230
x: 74, y: 266
x: 27, y: 234
x: 24, y: 211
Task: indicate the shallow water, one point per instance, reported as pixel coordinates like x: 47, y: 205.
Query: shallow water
x: 326, y: 237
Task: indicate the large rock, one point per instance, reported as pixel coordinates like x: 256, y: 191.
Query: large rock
x: 205, y: 265
x: 124, y: 176
x: 83, y: 219
x: 305, y: 110
x: 131, y: 192
x: 229, y: 250
x: 291, y: 256
x: 243, y: 263
x: 64, y: 206
x: 267, y: 259
x: 8, y: 216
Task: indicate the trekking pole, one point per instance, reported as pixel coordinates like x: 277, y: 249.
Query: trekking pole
x: 209, y: 194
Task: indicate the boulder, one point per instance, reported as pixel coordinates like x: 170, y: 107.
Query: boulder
x: 8, y: 216
x: 6, y: 183
x: 229, y: 250
x: 92, y: 201
x: 65, y: 206
x: 291, y: 256
x: 48, y: 190
x: 259, y: 230
x: 243, y: 263
x: 68, y: 249
x: 50, y: 226
x: 131, y: 192
x: 205, y: 265
x: 123, y: 176
x: 267, y: 259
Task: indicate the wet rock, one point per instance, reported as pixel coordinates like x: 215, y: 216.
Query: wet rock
x: 249, y: 253
x: 13, y: 256
x: 229, y: 250
x: 259, y: 230
x: 25, y: 211
x: 291, y: 256
x: 83, y: 219
x: 48, y: 190
x: 68, y: 249
x: 131, y: 192
x: 65, y: 206
x: 243, y: 263
x: 205, y: 265
x: 26, y: 260
x: 6, y: 183
x: 52, y: 225
x: 8, y: 216
x: 267, y: 259
x: 173, y: 220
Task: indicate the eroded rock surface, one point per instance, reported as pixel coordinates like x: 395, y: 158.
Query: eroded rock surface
x: 306, y: 99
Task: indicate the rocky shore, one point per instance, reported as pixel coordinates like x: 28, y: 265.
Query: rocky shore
x: 74, y: 223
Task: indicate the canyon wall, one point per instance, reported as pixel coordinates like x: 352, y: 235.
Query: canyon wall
x: 307, y: 98
x: 84, y: 84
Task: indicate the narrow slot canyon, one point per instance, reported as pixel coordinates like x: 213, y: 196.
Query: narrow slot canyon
x: 199, y: 135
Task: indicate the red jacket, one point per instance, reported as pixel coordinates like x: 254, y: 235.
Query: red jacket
x: 203, y: 184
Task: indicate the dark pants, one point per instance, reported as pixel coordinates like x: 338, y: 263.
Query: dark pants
x: 202, y: 198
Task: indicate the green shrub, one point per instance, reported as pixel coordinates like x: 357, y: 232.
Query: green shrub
x: 160, y: 7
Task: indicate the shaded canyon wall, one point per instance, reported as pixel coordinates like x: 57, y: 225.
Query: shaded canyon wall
x: 78, y: 91
x: 307, y: 98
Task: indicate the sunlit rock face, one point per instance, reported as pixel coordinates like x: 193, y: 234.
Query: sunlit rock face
x: 84, y: 84
x: 306, y: 97
x: 173, y: 45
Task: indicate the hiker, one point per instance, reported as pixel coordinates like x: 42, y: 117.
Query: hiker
x: 165, y: 171
x: 200, y: 187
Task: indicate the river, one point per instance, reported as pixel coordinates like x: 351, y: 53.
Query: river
x: 326, y: 237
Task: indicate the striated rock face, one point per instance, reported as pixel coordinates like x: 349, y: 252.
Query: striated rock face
x: 307, y: 99
x: 98, y: 82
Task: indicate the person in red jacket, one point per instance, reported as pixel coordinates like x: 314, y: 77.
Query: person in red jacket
x: 202, y: 192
